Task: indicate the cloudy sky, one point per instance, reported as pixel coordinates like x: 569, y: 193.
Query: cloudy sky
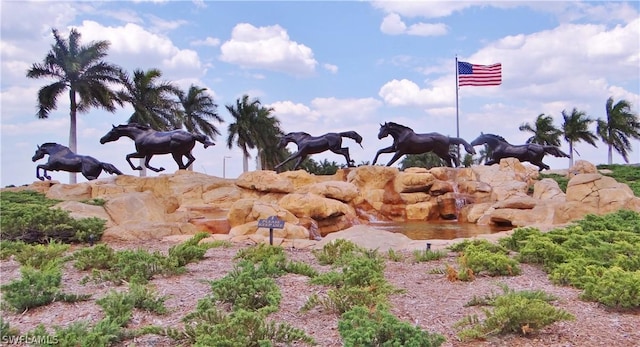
x: 329, y: 67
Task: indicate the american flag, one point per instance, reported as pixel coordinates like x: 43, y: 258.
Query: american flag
x: 479, y: 75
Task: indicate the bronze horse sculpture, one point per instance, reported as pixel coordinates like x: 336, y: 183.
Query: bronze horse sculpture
x: 406, y: 141
x: 149, y: 142
x: 308, y: 144
x: 61, y: 158
x: 531, y: 152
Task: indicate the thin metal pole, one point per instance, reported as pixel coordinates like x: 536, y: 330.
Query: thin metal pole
x: 457, y: 109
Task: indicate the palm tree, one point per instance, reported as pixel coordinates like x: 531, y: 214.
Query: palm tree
x: 575, y: 129
x: 254, y: 127
x: 81, y: 70
x: 198, y: 109
x: 615, y: 131
x: 153, y: 102
x: 544, y: 132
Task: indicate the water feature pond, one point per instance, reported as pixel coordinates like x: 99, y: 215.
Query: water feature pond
x: 434, y: 230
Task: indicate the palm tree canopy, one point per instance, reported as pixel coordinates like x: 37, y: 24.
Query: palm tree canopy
x: 243, y: 130
x: 198, y: 109
x: 544, y: 132
x: 154, y: 103
x: 80, y: 69
x: 576, y: 127
x: 619, y: 126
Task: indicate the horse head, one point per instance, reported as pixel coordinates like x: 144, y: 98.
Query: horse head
x: 384, y: 130
x: 39, y: 154
x: 113, y: 134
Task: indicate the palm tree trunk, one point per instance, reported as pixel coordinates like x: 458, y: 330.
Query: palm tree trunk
x: 259, y: 161
x: 610, y: 154
x: 143, y: 172
x: 570, y: 154
x: 73, y: 142
x: 245, y: 163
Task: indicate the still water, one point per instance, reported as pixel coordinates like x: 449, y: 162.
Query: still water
x: 445, y: 230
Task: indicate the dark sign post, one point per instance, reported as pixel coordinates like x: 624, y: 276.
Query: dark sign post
x: 271, y: 223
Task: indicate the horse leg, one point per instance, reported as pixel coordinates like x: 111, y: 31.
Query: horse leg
x: 291, y: 157
x: 147, y: 159
x: 190, y: 160
x: 541, y: 166
x: 134, y: 155
x: 299, y: 161
x: 395, y: 158
x: 389, y: 149
x: 44, y: 172
x: 345, y: 152
x: 178, y: 158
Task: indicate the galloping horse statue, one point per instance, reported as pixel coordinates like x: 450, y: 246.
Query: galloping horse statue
x: 150, y: 142
x: 61, y: 158
x: 531, y: 152
x: 308, y: 144
x: 406, y: 141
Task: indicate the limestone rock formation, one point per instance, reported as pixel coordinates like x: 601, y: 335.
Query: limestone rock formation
x: 509, y: 193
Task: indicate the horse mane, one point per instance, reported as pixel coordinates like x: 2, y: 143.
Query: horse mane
x: 47, y: 144
x: 392, y: 124
x: 497, y: 137
x: 297, y: 133
x: 134, y: 125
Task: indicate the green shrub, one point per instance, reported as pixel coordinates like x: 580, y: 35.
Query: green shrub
x: 209, y: 326
x: 361, y: 326
x: 512, y: 312
x: 9, y: 248
x: 188, y: 251
x: 34, y: 288
x: 394, y: 255
x: 146, y: 298
x: 478, y: 244
x: 6, y: 329
x: 480, y: 260
x: 518, y: 238
x: 247, y: 288
x: 615, y: 288
x: 424, y: 255
x: 587, y: 251
x: 28, y: 216
x: 361, y: 283
x: 41, y: 256
x: 100, y: 257
x: 131, y: 266
x: 117, y: 307
x: 337, y: 252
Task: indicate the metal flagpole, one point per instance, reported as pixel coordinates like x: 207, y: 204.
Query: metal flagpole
x: 457, y: 109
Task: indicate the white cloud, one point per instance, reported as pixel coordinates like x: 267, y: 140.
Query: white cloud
x: 209, y: 41
x: 268, y: 48
x: 392, y: 24
x: 133, y: 47
x: 331, y: 68
x: 407, y: 93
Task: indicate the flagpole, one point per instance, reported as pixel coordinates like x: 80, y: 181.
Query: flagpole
x: 457, y: 109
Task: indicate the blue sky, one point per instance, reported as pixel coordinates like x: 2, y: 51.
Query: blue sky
x: 328, y: 67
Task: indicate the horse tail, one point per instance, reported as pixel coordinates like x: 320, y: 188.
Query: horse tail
x: 204, y: 140
x: 555, y: 151
x: 352, y: 135
x: 110, y: 169
x: 467, y: 147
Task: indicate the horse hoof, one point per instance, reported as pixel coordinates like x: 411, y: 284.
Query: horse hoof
x: 138, y: 168
x: 41, y: 178
x: 160, y: 169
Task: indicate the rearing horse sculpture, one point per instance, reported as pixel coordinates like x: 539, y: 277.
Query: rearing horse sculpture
x: 61, y: 158
x: 531, y: 152
x: 150, y: 142
x: 308, y: 144
x: 406, y: 141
